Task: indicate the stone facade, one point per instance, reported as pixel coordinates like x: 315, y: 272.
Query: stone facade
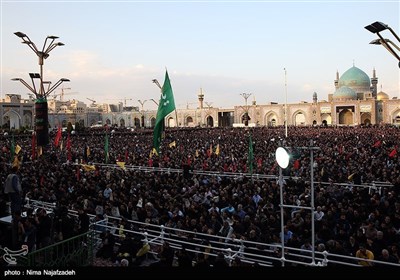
x: 355, y: 101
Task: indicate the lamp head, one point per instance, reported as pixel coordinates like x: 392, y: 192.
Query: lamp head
x: 20, y: 34
x: 380, y: 41
x: 34, y: 75
x: 375, y: 42
x: 282, y: 157
x: 376, y: 27
x: 64, y: 80
x: 53, y: 37
x: 16, y: 79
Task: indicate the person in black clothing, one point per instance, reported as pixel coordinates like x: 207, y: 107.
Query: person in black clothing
x: 126, y: 249
x: 184, y: 259
x: 84, y: 221
x: 220, y: 260
x: 64, y: 224
x: 386, y: 257
x: 106, y: 251
x: 44, y: 226
x: 3, y: 207
x: 166, y: 255
x: 16, y: 231
x: 29, y: 233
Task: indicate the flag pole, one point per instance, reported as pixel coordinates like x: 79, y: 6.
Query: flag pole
x: 155, y: 81
x: 286, y: 118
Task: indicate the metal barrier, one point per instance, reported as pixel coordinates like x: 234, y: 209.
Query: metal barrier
x: 155, y: 235
x: 264, y: 254
x: 72, y: 252
x: 249, y: 252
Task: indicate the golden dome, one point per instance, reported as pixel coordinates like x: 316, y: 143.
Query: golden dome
x: 382, y: 96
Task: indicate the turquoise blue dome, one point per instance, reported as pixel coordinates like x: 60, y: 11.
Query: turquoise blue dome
x: 356, y: 79
x: 345, y: 93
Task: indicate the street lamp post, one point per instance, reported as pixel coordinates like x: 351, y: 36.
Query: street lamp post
x: 155, y: 102
x: 286, y: 118
x: 41, y: 109
x: 312, y: 204
x: 142, y: 110
x: 385, y: 42
x: 378, y: 27
x: 155, y: 81
x: 246, y: 110
x: 282, y: 157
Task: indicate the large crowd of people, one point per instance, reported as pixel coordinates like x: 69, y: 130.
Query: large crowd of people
x: 352, y: 216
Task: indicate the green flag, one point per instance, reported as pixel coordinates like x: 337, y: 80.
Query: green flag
x: 106, y: 148
x: 251, y: 155
x: 165, y: 106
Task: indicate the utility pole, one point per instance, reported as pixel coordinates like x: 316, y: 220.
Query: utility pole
x: 142, y: 110
x: 246, y: 96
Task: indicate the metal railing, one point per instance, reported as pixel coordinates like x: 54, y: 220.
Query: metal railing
x: 72, y: 252
x: 79, y: 250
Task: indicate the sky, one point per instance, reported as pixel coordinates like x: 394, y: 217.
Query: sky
x: 273, y: 50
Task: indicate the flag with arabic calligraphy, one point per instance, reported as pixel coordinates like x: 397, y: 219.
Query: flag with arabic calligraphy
x: 165, y: 106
